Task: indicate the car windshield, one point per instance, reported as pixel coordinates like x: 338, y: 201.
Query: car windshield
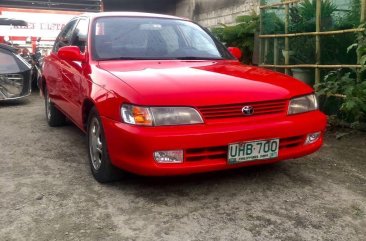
x: 153, y: 38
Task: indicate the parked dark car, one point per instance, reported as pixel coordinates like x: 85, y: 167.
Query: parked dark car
x: 15, y: 74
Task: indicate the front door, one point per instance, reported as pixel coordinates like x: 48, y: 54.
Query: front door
x: 73, y: 74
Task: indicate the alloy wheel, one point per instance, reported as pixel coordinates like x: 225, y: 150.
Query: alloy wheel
x: 48, y: 106
x: 95, y: 144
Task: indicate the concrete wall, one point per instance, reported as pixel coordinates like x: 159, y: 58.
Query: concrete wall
x: 152, y: 6
x: 210, y: 13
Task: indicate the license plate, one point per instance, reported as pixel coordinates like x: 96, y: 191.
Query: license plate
x: 253, y: 150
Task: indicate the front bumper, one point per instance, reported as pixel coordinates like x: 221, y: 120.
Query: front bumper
x: 205, y: 146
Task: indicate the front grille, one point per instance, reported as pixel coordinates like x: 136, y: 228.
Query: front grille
x: 291, y: 142
x: 220, y: 152
x: 211, y: 153
x: 235, y: 110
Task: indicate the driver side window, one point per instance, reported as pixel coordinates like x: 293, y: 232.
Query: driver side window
x: 81, y: 34
x: 64, y: 38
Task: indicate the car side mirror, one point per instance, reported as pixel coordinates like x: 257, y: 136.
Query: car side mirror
x: 70, y: 53
x: 236, y: 52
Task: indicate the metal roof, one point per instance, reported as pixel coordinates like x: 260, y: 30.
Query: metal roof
x: 64, y: 5
x: 11, y: 21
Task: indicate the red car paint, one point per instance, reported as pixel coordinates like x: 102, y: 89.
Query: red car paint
x: 74, y: 85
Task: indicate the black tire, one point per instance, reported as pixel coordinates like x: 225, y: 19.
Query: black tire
x: 100, y: 164
x: 53, y: 115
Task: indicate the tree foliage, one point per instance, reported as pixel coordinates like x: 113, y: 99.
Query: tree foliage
x: 240, y: 35
x: 350, y: 83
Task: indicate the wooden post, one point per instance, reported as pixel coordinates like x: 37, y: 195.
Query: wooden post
x: 287, y: 57
x: 363, y: 10
x: 317, y: 39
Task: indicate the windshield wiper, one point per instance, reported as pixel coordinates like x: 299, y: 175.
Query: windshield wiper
x: 179, y: 58
x: 196, y: 58
x: 121, y: 58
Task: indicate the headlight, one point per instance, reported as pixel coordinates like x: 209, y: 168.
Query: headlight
x: 303, y: 104
x: 11, y: 85
x: 160, y: 116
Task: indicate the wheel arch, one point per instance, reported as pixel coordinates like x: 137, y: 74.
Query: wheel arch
x: 88, y: 105
x: 42, y: 84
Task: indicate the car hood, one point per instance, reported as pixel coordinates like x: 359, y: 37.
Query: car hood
x: 199, y: 83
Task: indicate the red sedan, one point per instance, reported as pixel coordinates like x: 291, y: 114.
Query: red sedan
x: 159, y: 95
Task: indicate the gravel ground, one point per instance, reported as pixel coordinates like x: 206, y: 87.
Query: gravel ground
x: 48, y: 193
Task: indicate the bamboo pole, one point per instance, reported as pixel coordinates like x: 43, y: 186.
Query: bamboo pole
x: 287, y: 57
x: 363, y: 10
x: 317, y: 39
x: 362, y: 19
x: 355, y: 30
x: 279, y: 4
x: 275, y: 52
x: 321, y: 66
x: 261, y: 56
x: 266, y: 46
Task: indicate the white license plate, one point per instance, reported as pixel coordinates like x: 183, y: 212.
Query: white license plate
x: 253, y: 150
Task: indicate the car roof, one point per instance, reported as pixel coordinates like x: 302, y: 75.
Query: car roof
x: 131, y: 14
x: 9, y: 48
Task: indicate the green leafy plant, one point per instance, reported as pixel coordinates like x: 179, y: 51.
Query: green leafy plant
x: 352, y: 18
x: 302, y: 19
x: 361, y: 48
x: 303, y: 16
x: 240, y: 35
x: 334, y: 47
x: 344, y: 84
x: 350, y: 84
x: 272, y: 24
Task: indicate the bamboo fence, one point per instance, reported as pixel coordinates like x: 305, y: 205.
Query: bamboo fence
x: 264, y: 39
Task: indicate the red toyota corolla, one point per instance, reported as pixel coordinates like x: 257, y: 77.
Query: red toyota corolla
x: 159, y: 95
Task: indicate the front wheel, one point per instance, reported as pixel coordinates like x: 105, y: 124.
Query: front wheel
x: 100, y: 164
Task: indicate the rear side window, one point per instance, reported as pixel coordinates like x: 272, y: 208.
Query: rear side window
x: 64, y: 38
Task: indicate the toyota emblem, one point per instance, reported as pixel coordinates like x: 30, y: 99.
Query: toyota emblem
x: 248, y: 110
